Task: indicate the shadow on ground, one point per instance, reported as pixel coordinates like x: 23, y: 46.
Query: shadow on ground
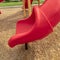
x: 10, y: 21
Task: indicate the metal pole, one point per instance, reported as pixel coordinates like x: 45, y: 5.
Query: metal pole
x: 26, y: 46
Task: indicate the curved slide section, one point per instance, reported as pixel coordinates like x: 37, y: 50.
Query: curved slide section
x: 26, y: 3
x: 39, y: 25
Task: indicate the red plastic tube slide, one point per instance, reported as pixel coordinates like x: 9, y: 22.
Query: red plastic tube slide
x: 39, y: 25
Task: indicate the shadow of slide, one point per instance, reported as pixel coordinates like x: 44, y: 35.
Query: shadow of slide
x: 10, y: 21
x: 26, y: 54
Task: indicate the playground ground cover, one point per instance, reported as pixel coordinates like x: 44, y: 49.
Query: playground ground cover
x: 45, y: 49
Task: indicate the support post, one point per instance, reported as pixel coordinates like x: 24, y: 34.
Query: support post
x: 29, y: 10
x: 29, y: 7
x: 38, y: 2
x: 24, y: 8
x: 26, y: 46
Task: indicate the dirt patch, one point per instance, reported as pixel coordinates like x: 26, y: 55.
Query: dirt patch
x: 45, y: 49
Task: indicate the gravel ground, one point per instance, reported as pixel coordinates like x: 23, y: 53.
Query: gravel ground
x: 45, y: 49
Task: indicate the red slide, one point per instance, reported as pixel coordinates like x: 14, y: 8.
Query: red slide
x: 1, y: 1
x: 41, y: 22
x: 26, y: 3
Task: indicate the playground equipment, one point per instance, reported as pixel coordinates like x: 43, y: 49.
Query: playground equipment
x: 1, y: 1
x: 26, y: 3
x: 29, y: 2
x: 39, y: 25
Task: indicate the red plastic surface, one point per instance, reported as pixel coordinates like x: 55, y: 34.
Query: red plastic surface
x: 26, y: 3
x: 38, y: 25
x: 1, y: 0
